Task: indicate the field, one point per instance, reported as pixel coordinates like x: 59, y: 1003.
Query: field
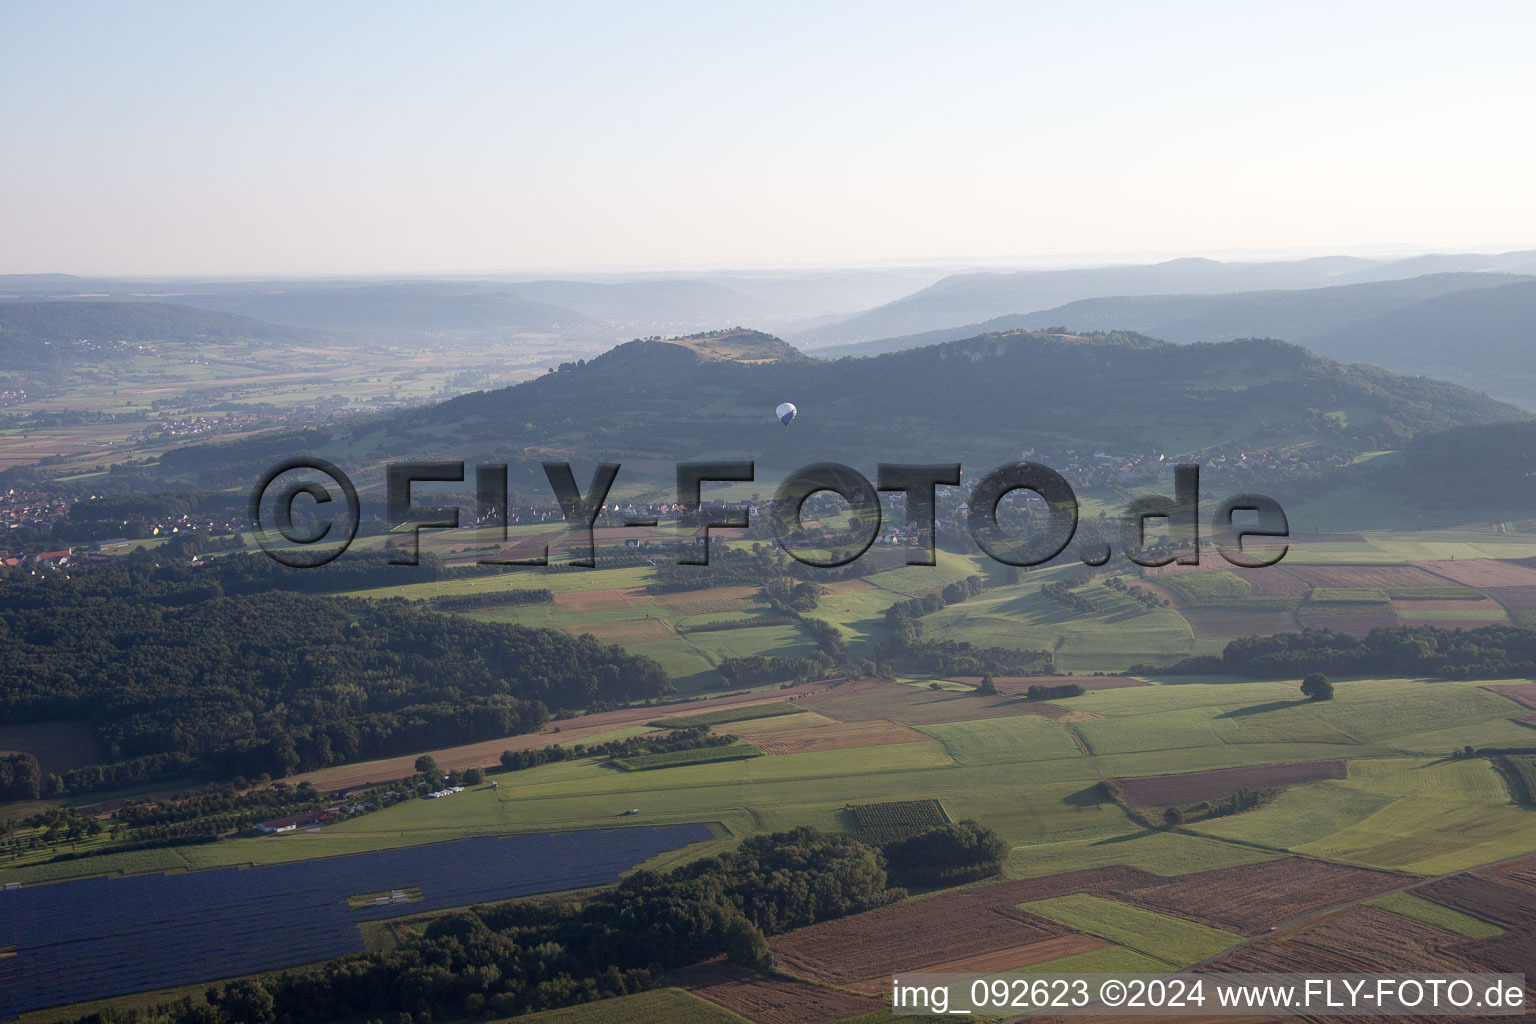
x: 1439, y: 915
x: 1406, y: 814
x: 830, y: 735
x: 1169, y: 939
x: 722, y: 716
x: 683, y: 758
x: 1005, y: 740
x: 1523, y: 694
x: 872, y: 698
x: 895, y: 818
x: 1192, y: 787
x: 1021, y: 684
x: 1251, y: 899
x: 862, y: 951
x: 772, y: 1000
x: 1121, y: 633
x: 658, y: 1006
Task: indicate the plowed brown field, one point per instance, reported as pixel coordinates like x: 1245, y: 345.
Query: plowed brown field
x: 836, y: 736
x: 939, y: 929
x: 772, y: 1000
x: 1192, y: 787
x: 1484, y: 572
x: 1521, y: 693
x: 1253, y: 898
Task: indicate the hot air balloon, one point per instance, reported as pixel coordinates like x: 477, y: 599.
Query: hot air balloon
x: 785, y: 413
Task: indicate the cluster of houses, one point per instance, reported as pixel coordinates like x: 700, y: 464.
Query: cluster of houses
x: 1087, y: 469
x: 31, y: 508
x: 229, y: 423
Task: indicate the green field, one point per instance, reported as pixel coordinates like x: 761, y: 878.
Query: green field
x: 1214, y: 587
x: 1419, y: 909
x: 1004, y: 740
x: 1173, y: 941
x: 1120, y: 634
x: 724, y: 715
x: 683, y: 758
x: 1426, y: 816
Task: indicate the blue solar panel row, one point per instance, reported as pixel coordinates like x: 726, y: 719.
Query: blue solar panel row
x: 100, y: 937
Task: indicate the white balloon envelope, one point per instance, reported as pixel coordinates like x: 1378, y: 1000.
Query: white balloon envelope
x: 785, y: 413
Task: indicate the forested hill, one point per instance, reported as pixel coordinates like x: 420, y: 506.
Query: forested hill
x: 176, y: 679
x: 1298, y: 316
x: 47, y: 334
x: 984, y: 398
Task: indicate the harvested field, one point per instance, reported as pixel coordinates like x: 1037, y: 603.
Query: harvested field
x: 1367, y: 577
x: 1265, y: 581
x: 1514, y: 599
x: 1513, y: 952
x: 1520, y: 872
x: 871, y: 699
x: 846, y: 587
x: 1357, y: 939
x: 771, y: 1000
x: 703, y: 602
x: 1004, y: 959
x: 1272, y: 581
x: 1506, y: 905
x: 584, y: 600
x: 1021, y: 684
x: 1253, y: 898
x: 1192, y: 787
x: 1233, y: 622
x: 1523, y: 694
x: 1484, y: 572
x: 938, y: 929
x: 1346, y: 618
x: 1529, y: 721
x: 634, y: 631
x: 837, y: 736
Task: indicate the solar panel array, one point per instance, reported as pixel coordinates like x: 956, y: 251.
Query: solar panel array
x: 101, y: 937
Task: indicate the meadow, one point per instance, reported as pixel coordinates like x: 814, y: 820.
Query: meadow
x: 1168, y: 939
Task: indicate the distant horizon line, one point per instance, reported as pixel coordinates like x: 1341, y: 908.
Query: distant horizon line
x: 1382, y: 252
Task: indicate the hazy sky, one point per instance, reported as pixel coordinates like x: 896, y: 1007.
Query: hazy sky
x: 376, y: 137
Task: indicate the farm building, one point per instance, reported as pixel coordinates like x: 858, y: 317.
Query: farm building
x: 294, y: 822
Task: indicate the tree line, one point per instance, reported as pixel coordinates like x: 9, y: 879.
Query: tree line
x: 1488, y: 652
x: 178, y: 679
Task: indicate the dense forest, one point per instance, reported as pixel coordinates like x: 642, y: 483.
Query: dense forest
x: 645, y: 396
x: 177, y: 677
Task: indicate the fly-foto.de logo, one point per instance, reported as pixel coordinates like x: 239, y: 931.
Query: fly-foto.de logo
x: 1046, y: 531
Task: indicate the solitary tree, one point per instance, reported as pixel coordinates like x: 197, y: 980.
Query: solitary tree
x: 988, y: 688
x: 1173, y: 816
x: 426, y: 763
x: 1317, y: 687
